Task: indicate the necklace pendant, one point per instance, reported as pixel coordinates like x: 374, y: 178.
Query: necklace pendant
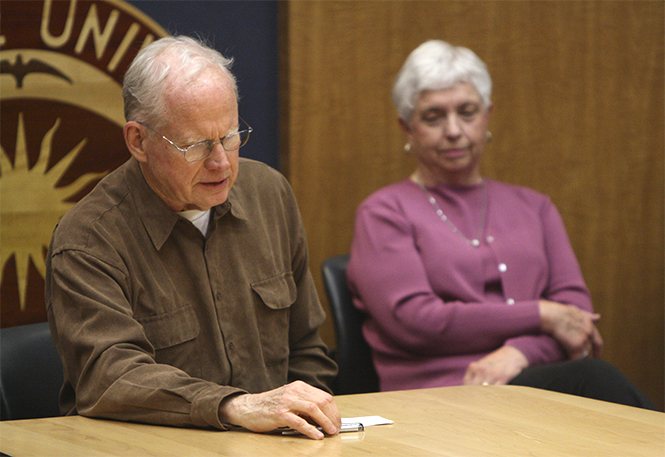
x: 475, y: 243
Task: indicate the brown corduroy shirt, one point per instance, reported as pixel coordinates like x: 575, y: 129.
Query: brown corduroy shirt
x: 156, y: 323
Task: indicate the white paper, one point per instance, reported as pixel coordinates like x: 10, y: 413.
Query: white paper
x: 367, y: 421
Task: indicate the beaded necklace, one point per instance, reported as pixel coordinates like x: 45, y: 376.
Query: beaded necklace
x: 475, y: 242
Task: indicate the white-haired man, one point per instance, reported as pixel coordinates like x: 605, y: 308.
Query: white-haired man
x: 178, y: 291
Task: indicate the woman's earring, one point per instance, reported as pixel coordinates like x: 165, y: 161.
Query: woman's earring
x: 489, y: 136
x: 407, y: 148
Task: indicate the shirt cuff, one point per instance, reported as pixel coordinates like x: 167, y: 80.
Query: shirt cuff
x: 205, y: 408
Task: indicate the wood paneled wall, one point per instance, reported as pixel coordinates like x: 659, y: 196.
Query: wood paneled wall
x: 578, y: 115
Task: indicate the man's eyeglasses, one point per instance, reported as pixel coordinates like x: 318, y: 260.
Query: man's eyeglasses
x: 203, y: 149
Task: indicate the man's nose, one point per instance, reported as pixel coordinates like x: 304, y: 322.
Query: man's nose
x: 218, y: 158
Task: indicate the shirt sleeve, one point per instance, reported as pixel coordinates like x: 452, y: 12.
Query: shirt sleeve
x: 114, y: 371
x: 308, y: 358
x: 390, y: 282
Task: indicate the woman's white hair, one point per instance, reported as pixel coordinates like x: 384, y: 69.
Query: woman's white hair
x: 436, y: 65
x: 147, y: 76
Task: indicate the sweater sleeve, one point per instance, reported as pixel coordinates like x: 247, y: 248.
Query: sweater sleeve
x: 565, y: 284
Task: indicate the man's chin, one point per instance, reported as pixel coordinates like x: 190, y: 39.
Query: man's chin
x: 214, y: 201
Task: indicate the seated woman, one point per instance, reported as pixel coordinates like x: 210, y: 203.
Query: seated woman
x: 467, y: 280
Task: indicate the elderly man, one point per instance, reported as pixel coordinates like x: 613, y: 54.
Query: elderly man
x: 178, y: 291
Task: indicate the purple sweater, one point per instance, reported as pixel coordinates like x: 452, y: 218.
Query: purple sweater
x: 434, y: 302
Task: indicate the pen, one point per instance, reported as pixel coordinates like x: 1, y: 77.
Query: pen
x: 349, y: 427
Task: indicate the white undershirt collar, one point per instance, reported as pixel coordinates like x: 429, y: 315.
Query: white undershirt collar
x: 198, y: 218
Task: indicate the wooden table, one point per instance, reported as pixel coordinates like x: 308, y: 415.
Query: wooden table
x: 452, y: 421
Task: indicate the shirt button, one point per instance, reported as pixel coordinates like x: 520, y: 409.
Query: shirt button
x: 510, y: 301
x: 490, y: 239
x: 219, y: 296
x: 503, y: 267
x: 232, y: 345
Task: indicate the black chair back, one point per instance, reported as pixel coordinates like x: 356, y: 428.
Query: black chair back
x: 30, y: 373
x: 353, y: 354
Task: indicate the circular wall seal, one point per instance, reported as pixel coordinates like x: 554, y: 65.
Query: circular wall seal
x: 61, y: 70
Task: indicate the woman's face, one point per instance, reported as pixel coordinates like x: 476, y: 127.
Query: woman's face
x: 448, y: 133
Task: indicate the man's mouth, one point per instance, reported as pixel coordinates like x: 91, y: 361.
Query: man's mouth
x: 216, y: 183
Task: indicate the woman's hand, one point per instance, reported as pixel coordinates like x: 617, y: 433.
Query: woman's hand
x: 574, y: 328
x: 296, y: 405
x: 497, y: 367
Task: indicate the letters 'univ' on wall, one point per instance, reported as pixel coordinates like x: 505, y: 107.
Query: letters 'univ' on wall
x: 578, y: 115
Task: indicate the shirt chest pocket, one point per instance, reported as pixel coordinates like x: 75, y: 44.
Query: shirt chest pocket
x: 173, y: 335
x: 274, y: 297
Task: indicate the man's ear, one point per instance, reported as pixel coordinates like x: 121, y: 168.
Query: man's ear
x: 135, y: 137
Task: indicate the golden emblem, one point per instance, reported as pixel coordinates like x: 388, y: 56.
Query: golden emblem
x: 61, y: 69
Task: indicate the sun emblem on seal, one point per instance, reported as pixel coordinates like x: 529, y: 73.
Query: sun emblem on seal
x: 61, y: 69
x: 28, y: 218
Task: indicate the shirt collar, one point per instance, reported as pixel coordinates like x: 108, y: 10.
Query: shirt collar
x: 156, y: 216
x: 233, y: 204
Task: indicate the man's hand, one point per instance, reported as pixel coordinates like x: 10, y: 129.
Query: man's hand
x: 297, y: 405
x: 497, y: 367
x: 574, y: 328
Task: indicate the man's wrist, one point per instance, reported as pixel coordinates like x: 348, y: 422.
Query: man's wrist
x: 228, y: 409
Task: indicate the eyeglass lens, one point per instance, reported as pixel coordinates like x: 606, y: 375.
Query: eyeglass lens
x: 229, y: 143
